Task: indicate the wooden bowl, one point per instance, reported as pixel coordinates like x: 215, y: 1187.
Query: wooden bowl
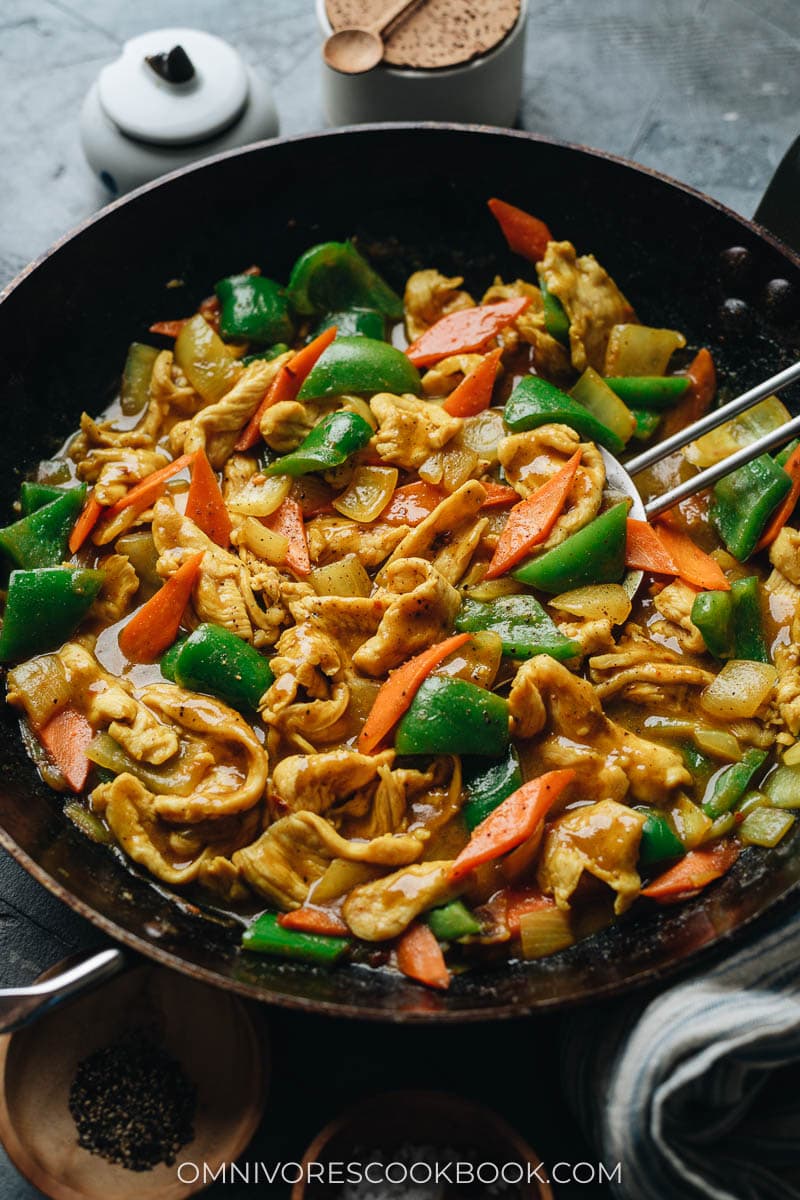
x: 208, y: 1031
x: 386, y: 1123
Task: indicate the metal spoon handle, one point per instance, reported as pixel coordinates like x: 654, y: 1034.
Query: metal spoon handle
x: 18, y: 1006
x: 711, y: 475
x: 718, y: 417
x: 391, y: 14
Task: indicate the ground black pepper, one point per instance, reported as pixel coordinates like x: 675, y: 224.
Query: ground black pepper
x: 132, y: 1103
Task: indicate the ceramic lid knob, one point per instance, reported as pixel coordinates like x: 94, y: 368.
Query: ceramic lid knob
x: 174, y: 87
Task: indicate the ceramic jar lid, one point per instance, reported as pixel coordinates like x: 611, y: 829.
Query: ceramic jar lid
x: 189, y: 98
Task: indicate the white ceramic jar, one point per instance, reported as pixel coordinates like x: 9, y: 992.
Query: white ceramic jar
x: 136, y: 124
x: 484, y: 91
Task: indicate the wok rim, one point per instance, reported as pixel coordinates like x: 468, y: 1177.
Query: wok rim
x: 673, y: 969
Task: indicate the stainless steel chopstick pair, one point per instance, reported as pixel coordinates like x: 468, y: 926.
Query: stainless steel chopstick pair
x: 711, y: 475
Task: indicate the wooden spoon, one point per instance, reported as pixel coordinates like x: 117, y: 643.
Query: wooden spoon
x: 353, y: 51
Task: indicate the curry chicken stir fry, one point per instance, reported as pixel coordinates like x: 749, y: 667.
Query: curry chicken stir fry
x: 334, y: 614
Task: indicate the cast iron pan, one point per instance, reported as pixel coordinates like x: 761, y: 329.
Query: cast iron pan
x: 415, y: 196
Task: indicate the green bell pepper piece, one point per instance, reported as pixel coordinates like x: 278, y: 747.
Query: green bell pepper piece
x: 712, y: 613
x: 329, y: 444
x: 452, y: 921
x: 743, y: 502
x: 452, y: 716
x: 488, y: 784
x: 700, y: 765
x: 333, y: 276
x: 44, y: 606
x: 134, y: 392
x: 749, y: 640
x: 170, y: 657
x: 360, y: 364
x: 216, y: 661
x: 536, y: 402
x: 524, y: 627
x: 595, y: 554
x: 732, y: 783
x: 265, y: 355
x: 254, y: 309
x: 783, y: 457
x: 265, y: 936
x: 36, y: 495
x: 646, y: 423
x: 659, y: 840
x: 354, y: 322
x: 40, y: 539
x: 648, y: 391
x: 556, y: 321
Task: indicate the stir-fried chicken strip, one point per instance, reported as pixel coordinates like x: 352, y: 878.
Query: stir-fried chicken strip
x: 449, y: 536
x: 216, y: 427
x: 601, y: 839
x: 114, y: 471
x: 383, y: 909
x: 297, y: 850
x: 319, y: 782
x: 547, y: 699
x: 109, y: 705
x: 430, y: 296
x: 421, y: 607
x: 237, y: 778
x: 218, y: 596
x: 410, y: 430
x: 591, y: 299
x: 784, y: 554
x: 197, y: 854
x: 637, y: 660
x: 550, y: 358
x: 675, y: 603
x: 331, y: 538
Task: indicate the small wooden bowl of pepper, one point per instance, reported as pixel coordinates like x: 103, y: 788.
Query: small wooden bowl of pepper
x: 107, y: 1097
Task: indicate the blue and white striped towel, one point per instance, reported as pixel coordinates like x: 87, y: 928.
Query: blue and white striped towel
x: 697, y: 1093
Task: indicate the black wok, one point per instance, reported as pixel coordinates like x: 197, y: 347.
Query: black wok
x: 415, y: 196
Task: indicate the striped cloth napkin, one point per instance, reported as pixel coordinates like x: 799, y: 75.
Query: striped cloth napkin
x: 696, y: 1093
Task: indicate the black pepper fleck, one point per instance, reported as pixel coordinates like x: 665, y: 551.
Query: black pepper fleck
x: 132, y: 1103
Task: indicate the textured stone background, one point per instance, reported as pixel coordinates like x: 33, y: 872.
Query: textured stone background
x: 705, y: 90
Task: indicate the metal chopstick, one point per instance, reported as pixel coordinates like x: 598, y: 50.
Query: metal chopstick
x: 711, y: 475
x: 718, y: 417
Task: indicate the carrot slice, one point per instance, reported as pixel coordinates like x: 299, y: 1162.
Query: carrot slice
x: 645, y: 551
x: 697, y: 869
x: 525, y: 234
x: 85, y: 523
x: 465, y: 331
x: 66, y: 738
x: 512, y: 822
x: 286, y: 385
x: 205, y: 505
x: 169, y: 328
x: 209, y: 308
x: 521, y: 901
x: 145, y: 493
x: 692, y: 564
x: 313, y: 920
x: 474, y: 393
x: 411, y: 504
x: 420, y: 957
x: 498, y: 495
x: 697, y: 399
x: 288, y: 520
x: 530, y: 521
x: 781, y: 516
x: 396, y: 694
x: 154, y: 626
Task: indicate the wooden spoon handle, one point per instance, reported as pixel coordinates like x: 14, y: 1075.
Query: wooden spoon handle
x: 390, y: 15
